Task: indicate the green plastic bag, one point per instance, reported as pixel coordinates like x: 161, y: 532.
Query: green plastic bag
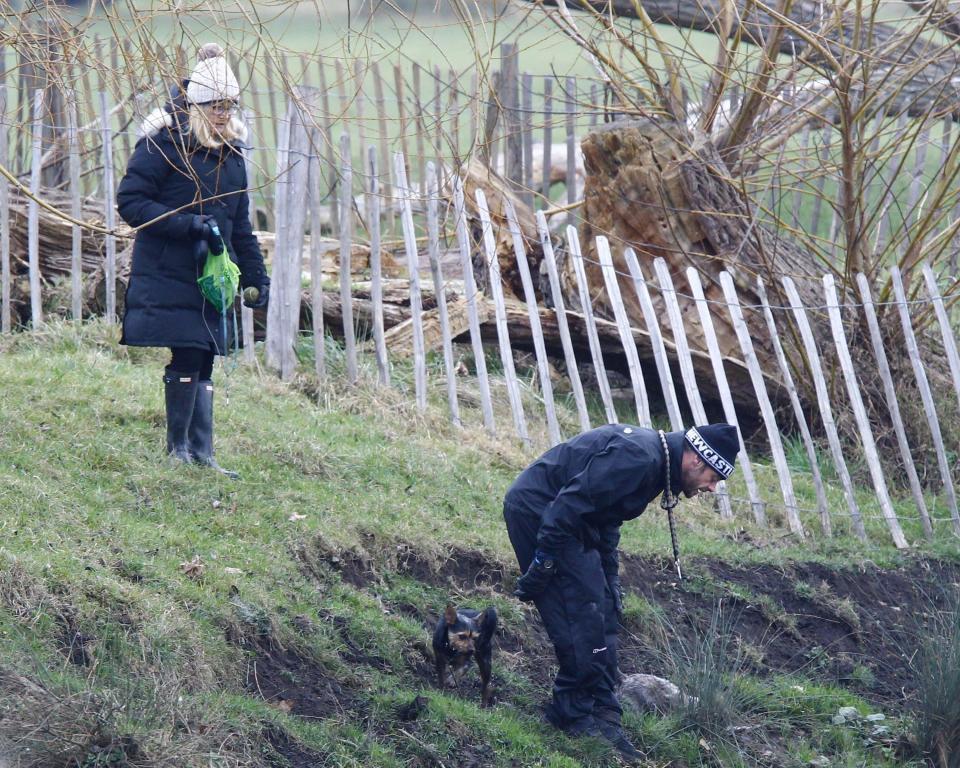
x: 220, y: 278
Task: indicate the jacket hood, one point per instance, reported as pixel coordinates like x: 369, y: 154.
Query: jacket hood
x: 169, y: 117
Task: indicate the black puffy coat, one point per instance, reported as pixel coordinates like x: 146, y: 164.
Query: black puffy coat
x: 171, y: 170
x: 583, y: 490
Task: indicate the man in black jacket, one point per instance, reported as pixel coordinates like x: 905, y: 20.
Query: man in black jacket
x: 563, y: 516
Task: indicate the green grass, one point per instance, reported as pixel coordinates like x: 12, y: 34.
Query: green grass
x: 348, y: 497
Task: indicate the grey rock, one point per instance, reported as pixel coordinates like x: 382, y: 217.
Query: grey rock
x: 649, y: 693
x: 876, y: 717
x: 848, y: 713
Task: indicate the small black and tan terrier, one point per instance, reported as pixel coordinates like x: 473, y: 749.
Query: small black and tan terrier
x: 462, y: 635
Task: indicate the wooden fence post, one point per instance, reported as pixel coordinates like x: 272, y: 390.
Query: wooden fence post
x: 586, y: 305
x: 533, y: 312
x: 33, y: 214
x: 76, y: 234
x: 526, y: 120
x: 763, y: 399
x: 571, y: 148
x: 433, y: 251
x: 660, y: 358
x: 110, y: 212
x: 384, y: 163
x: 315, y: 195
x: 889, y: 390
x: 246, y: 314
x: 823, y: 402
x: 720, y: 376
x: 685, y: 360
x: 556, y: 295
x: 946, y: 332
x: 346, y: 246
x: 404, y: 194
x: 798, y: 413
x: 626, y: 332
x: 926, y: 396
x: 860, y: 413
x: 547, y: 138
x: 470, y: 289
x: 4, y: 216
x: 503, y: 334
x: 510, y: 98
x: 372, y: 209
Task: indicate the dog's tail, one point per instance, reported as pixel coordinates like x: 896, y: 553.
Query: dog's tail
x: 488, y: 624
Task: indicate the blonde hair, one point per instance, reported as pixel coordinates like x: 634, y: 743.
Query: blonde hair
x: 235, y: 130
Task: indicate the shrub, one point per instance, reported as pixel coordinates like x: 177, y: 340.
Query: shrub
x: 936, y: 667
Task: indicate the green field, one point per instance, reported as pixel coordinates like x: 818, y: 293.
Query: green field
x: 152, y: 615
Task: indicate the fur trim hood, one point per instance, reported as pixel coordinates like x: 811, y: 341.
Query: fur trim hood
x: 163, y: 118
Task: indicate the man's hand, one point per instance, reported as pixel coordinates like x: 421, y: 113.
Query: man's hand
x: 537, y: 577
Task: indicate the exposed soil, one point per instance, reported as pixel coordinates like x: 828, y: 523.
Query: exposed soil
x: 296, y: 684
x: 856, y: 627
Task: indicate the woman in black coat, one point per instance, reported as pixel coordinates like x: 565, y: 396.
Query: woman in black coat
x: 185, y: 182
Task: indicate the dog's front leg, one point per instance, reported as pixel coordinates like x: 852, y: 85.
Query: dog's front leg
x: 441, y: 662
x: 486, y: 669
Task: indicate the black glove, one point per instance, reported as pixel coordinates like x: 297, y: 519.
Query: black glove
x: 201, y: 228
x: 617, y: 591
x: 262, y: 298
x: 537, y: 577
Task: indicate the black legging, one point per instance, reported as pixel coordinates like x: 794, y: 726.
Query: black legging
x: 188, y: 360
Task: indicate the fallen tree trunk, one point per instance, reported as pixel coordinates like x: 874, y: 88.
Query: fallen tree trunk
x: 649, y: 188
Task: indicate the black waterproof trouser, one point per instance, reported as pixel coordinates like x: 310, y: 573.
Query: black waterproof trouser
x: 578, y: 612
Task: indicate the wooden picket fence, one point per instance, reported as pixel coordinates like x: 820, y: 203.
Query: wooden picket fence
x: 316, y: 182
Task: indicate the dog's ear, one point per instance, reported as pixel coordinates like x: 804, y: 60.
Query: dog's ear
x: 450, y: 615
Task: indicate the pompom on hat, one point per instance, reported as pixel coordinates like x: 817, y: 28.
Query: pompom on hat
x: 212, y: 79
x: 717, y: 445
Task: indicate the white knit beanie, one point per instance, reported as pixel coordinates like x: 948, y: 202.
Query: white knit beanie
x: 212, y: 79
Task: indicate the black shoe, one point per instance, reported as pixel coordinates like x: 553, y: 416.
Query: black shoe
x: 200, y: 434
x: 613, y: 733
x: 180, y: 394
x: 581, y: 727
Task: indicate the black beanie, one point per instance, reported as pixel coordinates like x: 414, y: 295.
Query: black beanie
x: 717, y: 445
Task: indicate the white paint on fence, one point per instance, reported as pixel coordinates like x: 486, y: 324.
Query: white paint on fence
x: 823, y: 402
x: 596, y: 352
x: 533, y: 312
x: 626, y: 332
x: 470, y: 289
x: 926, y: 396
x: 376, y: 268
x: 890, y: 393
x: 556, y: 295
x: 726, y: 399
x: 766, y: 409
x: 33, y: 214
x: 346, y: 249
x: 404, y: 194
x: 439, y: 289
x: 503, y: 334
x: 798, y: 413
x: 76, y: 234
x: 685, y: 361
x: 5, y: 307
x: 860, y: 413
x: 946, y: 332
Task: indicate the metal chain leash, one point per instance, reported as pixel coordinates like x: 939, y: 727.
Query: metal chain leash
x: 668, y: 501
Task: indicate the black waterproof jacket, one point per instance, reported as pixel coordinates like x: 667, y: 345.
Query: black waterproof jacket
x: 169, y: 169
x: 584, y: 489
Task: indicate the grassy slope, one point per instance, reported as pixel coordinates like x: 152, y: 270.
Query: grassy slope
x: 96, y: 530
